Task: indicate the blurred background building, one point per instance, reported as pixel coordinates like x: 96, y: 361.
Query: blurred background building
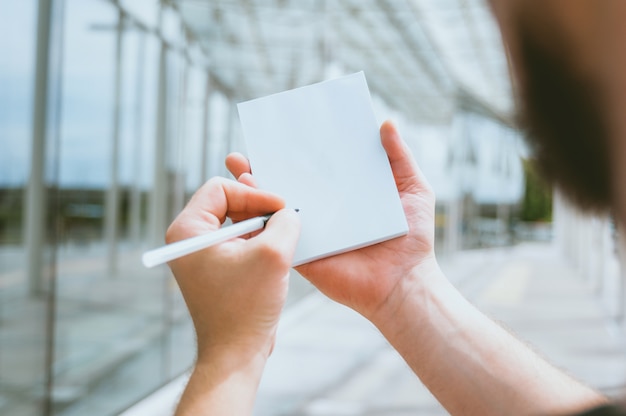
x: 112, y: 112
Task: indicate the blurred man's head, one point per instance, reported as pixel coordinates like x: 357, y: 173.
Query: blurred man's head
x: 561, y: 52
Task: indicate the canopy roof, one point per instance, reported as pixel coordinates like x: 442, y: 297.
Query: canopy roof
x: 422, y: 57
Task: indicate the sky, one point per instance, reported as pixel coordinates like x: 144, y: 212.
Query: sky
x: 16, y: 63
x: 87, y: 99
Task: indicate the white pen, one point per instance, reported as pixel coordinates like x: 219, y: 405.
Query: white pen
x: 181, y: 248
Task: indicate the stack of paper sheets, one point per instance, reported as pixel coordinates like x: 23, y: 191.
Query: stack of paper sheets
x: 319, y: 148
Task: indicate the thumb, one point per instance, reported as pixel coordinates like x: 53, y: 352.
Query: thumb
x: 406, y: 172
x: 281, y: 233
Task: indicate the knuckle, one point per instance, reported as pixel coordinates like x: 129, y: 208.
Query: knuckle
x: 179, y: 229
x: 173, y: 233
x: 271, y: 256
x: 215, y: 181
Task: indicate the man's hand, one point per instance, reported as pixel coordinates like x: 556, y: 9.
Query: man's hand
x: 235, y: 291
x: 367, y: 279
x: 469, y: 363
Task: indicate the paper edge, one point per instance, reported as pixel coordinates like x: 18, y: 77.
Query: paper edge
x: 361, y: 72
x: 352, y: 248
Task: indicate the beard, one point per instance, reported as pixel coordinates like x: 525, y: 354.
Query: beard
x: 562, y: 115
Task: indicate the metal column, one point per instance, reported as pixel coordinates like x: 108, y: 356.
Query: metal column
x: 229, y: 138
x: 179, y: 171
x: 621, y: 252
x: 112, y: 202
x: 158, y: 203
x: 135, y: 196
x: 206, y: 120
x: 452, y: 225
x: 36, y: 201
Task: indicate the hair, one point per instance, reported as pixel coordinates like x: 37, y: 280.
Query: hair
x: 562, y: 114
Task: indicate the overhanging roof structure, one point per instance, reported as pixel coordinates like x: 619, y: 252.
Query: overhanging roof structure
x: 420, y: 56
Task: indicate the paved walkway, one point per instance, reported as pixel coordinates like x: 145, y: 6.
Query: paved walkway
x: 117, y: 338
x: 329, y: 361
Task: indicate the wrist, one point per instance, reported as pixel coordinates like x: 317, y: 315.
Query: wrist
x: 229, y: 340
x: 223, y: 381
x: 411, y: 300
x: 230, y: 358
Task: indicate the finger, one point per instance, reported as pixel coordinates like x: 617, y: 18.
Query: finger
x: 220, y: 198
x: 237, y: 164
x: 227, y: 198
x: 280, y: 237
x: 247, y: 179
x: 406, y: 172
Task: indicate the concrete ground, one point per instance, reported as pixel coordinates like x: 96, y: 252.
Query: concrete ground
x: 329, y: 361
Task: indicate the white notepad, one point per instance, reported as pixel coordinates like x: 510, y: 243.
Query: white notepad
x: 319, y: 148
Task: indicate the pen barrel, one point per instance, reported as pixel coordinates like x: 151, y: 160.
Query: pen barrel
x: 184, y: 247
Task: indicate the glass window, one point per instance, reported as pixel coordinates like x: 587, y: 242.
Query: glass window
x: 22, y: 316
x: 123, y: 129
x: 218, y: 129
x: 193, y: 128
x: 171, y: 26
x: 145, y: 11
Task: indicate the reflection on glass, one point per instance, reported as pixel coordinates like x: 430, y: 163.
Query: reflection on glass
x: 22, y: 317
x: 115, y: 320
x: 110, y: 332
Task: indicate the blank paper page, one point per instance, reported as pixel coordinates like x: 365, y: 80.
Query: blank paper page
x: 319, y: 148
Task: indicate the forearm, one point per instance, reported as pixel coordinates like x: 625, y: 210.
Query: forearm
x: 472, y: 365
x: 225, y: 384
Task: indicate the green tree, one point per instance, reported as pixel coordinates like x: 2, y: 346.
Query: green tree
x: 537, y: 203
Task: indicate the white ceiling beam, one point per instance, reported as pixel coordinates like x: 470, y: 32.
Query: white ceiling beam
x: 255, y: 29
x: 438, y: 79
x: 400, y: 96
